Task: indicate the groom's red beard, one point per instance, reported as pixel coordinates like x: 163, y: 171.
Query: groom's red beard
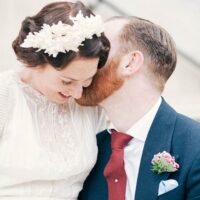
x: 105, y: 82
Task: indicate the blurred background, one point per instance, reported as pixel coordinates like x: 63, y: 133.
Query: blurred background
x: 179, y: 17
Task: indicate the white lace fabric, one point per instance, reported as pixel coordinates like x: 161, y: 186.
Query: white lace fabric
x: 46, y: 149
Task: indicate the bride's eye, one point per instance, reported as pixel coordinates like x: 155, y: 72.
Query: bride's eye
x: 66, y: 82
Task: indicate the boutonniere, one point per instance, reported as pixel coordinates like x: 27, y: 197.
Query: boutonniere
x: 164, y: 162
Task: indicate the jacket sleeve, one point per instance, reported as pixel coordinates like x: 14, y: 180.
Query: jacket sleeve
x: 193, y: 180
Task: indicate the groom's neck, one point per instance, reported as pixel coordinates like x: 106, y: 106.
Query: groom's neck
x: 125, y: 109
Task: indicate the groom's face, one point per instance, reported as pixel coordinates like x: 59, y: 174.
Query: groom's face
x: 107, y: 79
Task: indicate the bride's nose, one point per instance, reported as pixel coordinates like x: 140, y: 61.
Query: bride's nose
x: 76, y: 91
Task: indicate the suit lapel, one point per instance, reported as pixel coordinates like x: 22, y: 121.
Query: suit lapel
x: 159, y: 139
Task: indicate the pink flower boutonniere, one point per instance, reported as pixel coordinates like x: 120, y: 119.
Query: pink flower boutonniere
x: 164, y: 162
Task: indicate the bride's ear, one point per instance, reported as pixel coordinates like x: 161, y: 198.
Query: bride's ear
x: 131, y: 63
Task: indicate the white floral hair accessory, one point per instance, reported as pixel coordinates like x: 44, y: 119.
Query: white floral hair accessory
x: 62, y: 37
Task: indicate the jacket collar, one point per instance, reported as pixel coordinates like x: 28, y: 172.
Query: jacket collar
x: 159, y: 139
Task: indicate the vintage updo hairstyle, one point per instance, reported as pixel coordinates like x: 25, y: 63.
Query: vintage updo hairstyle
x: 97, y: 47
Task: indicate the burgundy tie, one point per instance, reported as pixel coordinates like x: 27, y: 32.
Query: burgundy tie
x: 114, y: 171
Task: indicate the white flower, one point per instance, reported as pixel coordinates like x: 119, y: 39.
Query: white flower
x: 62, y: 37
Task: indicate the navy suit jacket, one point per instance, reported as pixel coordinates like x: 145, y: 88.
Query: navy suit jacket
x: 171, y: 132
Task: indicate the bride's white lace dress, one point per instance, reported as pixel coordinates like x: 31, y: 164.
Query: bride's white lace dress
x: 46, y: 149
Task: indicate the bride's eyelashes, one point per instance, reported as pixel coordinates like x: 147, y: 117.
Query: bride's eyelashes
x: 66, y: 82
x: 86, y: 83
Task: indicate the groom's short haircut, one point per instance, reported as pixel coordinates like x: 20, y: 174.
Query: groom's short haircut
x: 154, y: 42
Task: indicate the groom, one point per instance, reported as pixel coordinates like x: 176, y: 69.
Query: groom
x: 129, y: 88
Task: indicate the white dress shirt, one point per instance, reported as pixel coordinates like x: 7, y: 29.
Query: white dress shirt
x: 133, y: 151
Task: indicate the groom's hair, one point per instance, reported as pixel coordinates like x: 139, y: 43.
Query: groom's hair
x: 154, y: 42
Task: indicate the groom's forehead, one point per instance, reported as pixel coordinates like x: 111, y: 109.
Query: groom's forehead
x: 113, y: 28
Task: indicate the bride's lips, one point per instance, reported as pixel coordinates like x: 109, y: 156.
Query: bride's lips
x: 64, y: 96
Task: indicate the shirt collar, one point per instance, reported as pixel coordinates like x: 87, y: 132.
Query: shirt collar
x: 141, y: 128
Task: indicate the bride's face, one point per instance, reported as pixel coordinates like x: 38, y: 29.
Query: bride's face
x: 58, y: 86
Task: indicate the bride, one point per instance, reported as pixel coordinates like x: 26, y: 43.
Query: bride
x: 47, y: 141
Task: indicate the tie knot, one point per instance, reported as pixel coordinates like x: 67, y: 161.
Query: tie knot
x: 119, y: 140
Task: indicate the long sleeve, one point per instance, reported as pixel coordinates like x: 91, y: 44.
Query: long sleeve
x: 4, y: 100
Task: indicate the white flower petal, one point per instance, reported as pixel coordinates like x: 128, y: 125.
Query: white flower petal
x: 63, y: 37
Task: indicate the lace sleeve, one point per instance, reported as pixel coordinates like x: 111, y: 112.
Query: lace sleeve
x: 4, y: 100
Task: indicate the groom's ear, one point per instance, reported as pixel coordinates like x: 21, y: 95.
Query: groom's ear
x: 131, y: 63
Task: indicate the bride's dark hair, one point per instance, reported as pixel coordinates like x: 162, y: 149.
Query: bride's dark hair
x: 97, y: 47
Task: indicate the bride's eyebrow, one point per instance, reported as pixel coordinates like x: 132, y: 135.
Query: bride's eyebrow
x: 71, y: 79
